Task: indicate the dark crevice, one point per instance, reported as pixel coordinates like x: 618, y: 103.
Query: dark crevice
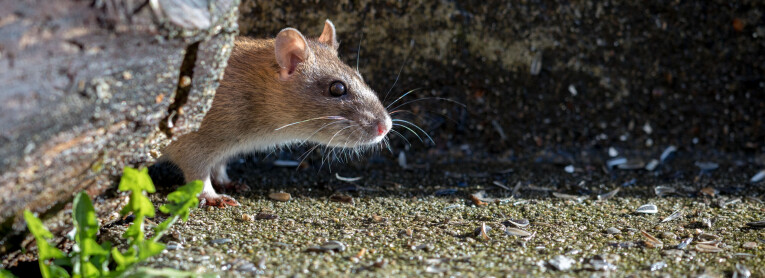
x: 181, y: 89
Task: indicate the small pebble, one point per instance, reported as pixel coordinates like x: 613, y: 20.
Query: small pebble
x: 613, y: 231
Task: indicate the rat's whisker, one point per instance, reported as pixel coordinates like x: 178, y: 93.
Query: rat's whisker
x: 317, y: 118
x: 305, y: 155
x: 358, y: 51
x: 387, y: 144
x: 400, y: 70
x: 410, y: 130
x: 402, y: 96
x: 430, y: 98
x: 402, y: 137
x: 417, y: 127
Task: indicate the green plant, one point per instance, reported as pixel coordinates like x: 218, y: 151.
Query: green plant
x: 90, y: 259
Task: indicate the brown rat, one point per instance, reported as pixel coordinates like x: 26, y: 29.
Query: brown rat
x: 277, y: 92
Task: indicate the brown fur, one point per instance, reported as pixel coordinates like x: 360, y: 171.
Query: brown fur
x: 252, y: 102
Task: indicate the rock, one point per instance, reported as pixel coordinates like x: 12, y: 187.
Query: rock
x: 90, y: 88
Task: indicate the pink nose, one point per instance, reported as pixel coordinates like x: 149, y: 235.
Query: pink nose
x: 381, y: 129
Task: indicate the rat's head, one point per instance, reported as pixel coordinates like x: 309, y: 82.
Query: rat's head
x: 326, y: 101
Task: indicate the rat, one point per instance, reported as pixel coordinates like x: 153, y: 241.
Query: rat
x: 277, y: 92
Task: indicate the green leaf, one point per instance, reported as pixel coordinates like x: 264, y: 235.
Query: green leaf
x: 183, y: 199
x: 136, y: 180
x: 6, y: 274
x: 44, y: 249
x: 84, y: 216
x: 147, y: 249
x: 139, y: 204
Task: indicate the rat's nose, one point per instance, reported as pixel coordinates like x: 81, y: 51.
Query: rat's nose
x: 381, y: 128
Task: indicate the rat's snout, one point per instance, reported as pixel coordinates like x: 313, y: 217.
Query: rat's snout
x: 383, y: 126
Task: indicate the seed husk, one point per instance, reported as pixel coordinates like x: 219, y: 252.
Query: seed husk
x: 520, y: 223
x: 757, y: 224
x: 651, y: 241
x: 675, y: 215
x: 647, y: 209
x: 608, y: 195
x: 707, y: 248
x: 280, y: 196
x: 517, y: 232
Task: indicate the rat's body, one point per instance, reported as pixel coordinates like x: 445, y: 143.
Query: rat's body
x: 277, y: 92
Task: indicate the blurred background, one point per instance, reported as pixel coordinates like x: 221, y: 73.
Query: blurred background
x: 556, y: 75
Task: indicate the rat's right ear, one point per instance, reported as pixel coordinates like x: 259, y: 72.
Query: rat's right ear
x: 291, y: 49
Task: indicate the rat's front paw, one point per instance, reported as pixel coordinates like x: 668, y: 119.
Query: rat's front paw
x: 217, y: 200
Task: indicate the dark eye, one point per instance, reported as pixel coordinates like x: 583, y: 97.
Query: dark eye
x: 337, y: 89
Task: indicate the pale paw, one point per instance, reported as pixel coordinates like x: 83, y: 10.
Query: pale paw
x: 217, y: 200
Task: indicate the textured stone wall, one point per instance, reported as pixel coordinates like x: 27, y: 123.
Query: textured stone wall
x: 89, y: 87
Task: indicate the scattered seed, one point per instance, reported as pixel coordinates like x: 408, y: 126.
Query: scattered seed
x: 561, y: 262
x: 332, y: 245
x: 579, y: 199
x: 220, y: 241
x: 569, y: 169
x: 632, y: 165
x: 536, y: 64
x: 652, y: 165
x: 572, y: 90
x: 658, y: 266
x: 247, y: 217
x: 612, y: 152
x: 667, y: 153
x: 706, y: 166
x: 675, y: 215
x: 742, y: 271
x: 500, y: 185
x: 600, y: 264
x: 662, y: 191
x: 613, y: 231
x: 608, y: 195
x: 435, y: 269
x: 402, y: 160
x: 266, y: 216
x: 709, y: 191
x: 749, y: 245
x: 347, y: 179
x: 756, y: 225
x: 517, y: 232
x: 377, y: 219
x: 520, y: 223
x: 647, y: 209
x: 758, y: 177
x: 286, y: 163
x: 611, y: 163
x: 360, y: 254
x: 341, y: 199
x: 482, y: 232
x: 706, y: 248
x: 651, y: 241
x: 280, y: 196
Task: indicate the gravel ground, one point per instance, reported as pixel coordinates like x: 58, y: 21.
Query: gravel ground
x: 423, y: 219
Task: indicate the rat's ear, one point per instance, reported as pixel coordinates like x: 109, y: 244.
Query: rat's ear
x: 291, y: 49
x: 328, y: 36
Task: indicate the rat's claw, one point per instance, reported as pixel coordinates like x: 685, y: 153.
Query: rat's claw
x: 219, y: 200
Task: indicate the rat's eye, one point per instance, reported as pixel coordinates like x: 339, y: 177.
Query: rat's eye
x: 337, y: 89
